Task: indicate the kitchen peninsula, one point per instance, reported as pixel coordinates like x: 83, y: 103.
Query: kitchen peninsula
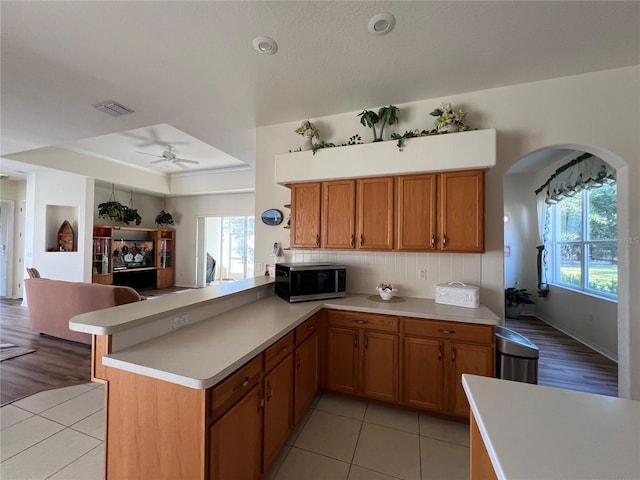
x: 522, y: 431
x: 213, y: 380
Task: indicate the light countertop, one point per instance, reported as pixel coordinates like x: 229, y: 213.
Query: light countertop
x: 202, y: 354
x: 532, y: 431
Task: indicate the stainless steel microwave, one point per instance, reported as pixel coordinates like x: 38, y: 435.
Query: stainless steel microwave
x: 300, y: 282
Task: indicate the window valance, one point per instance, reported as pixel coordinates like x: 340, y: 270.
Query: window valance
x: 581, y: 173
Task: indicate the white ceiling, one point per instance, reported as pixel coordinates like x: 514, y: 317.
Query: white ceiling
x: 190, y: 66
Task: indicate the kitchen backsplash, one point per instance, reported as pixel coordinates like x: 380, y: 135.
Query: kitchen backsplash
x: 365, y: 270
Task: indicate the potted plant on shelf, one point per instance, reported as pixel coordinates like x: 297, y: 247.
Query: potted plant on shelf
x: 309, y: 131
x: 514, y: 301
x: 369, y: 118
x: 449, y: 120
x: 164, y: 218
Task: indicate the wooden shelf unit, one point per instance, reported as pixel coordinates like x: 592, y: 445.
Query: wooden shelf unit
x: 105, y: 271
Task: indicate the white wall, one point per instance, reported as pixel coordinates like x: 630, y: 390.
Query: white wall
x: 185, y: 211
x: 520, y: 232
x: 62, y: 190
x: 148, y: 206
x: 565, y: 112
x: 16, y: 191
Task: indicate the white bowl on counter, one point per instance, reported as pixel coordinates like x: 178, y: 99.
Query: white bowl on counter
x: 386, y: 292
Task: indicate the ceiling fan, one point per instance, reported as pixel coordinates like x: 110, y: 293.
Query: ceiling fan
x: 169, y: 156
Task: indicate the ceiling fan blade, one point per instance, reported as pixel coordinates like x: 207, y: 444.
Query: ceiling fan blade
x: 179, y: 163
x: 187, y: 161
x: 161, y: 160
x: 152, y: 154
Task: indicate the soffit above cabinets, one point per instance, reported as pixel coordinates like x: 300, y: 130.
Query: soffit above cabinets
x: 453, y: 151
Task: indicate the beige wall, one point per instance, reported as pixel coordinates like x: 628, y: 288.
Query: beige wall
x: 568, y: 112
x: 185, y: 211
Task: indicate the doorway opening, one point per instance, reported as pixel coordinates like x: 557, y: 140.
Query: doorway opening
x: 577, y: 324
x: 225, y: 249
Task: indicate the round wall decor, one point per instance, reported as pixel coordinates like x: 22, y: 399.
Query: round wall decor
x: 272, y: 217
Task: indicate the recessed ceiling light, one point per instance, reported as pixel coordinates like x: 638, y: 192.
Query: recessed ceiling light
x: 265, y: 45
x: 382, y: 23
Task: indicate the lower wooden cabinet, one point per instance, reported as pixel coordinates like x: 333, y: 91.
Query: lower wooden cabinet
x: 235, y: 440
x: 423, y: 374
x: 465, y: 358
x: 362, y: 360
x: 305, y: 376
x: 278, y: 409
x: 435, y: 359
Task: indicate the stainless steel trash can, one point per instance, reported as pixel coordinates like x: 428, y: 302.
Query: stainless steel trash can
x: 516, y: 356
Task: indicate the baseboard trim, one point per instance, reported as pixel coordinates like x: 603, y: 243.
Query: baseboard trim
x: 592, y: 347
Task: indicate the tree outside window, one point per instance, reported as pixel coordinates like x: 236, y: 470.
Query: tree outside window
x: 584, y: 232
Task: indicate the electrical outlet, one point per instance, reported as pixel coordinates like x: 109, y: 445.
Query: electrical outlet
x: 180, y: 321
x: 422, y: 274
x: 261, y: 293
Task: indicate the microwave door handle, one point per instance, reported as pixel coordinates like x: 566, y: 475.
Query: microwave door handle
x: 335, y: 285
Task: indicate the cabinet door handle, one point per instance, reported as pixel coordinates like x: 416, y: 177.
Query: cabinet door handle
x: 281, y: 350
x: 361, y: 240
x: 298, y: 361
x: 444, y: 241
x: 446, y: 331
x: 366, y: 343
x: 269, y: 391
x: 453, y: 354
x: 432, y: 243
x: 317, y: 240
x: 244, y: 383
x: 361, y: 322
x: 355, y: 342
x: 310, y: 327
x: 260, y: 400
x: 439, y: 352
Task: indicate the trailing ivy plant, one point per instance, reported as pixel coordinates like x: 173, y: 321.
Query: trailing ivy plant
x: 353, y: 140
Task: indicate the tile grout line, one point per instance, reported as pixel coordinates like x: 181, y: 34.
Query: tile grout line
x: 74, y: 461
x: 53, y: 406
x: 355, y: 448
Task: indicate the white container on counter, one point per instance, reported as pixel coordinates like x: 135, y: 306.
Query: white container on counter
x: 458, y: 294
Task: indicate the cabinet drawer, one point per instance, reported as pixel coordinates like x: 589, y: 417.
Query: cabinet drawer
x: 307, y: 328
x: 384, y: 323
x: 235, y: 386
x: 464, y: 332
x: 276, y: 352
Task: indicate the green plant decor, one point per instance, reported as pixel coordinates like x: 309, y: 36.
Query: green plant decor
x: 449, y: 120
x: 515, y: 296
x: 112, y: 210
x: 164, y: 218
x: 353, y: 140
x: 308, y: 129
x: 388, y: 116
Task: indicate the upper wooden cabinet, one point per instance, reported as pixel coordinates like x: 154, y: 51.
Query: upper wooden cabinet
x: 416, y: 212
x: 305, y: 215
x: 433, y: 212
x: 461, y: 212
x: 375, y: 213
x: 339, y: 214
x: 355, y: 214
x: 440, y: 212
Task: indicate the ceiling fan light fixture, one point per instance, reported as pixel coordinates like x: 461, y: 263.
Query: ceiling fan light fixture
x: 265, y: 45
x: 382, y: 23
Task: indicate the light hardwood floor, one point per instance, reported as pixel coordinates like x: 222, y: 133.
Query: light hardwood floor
x: 565, y: 362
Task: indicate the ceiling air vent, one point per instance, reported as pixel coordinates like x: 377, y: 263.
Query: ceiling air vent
x: 112, y: 108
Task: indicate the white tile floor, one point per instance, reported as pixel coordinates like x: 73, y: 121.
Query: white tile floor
x: 58, y: 434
